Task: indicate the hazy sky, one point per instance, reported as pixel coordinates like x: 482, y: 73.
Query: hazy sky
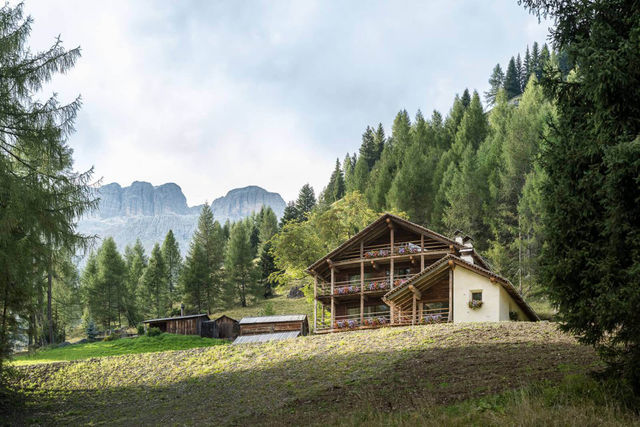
x: 218, y: 95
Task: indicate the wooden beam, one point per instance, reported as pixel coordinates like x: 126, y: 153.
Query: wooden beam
x: 333, y: 304
x: 315, y: 303
x: 413, y: 310
x: 452, y: 264
x: 421, y: 251
x: 450, y: 296
x: 361, y: 284
x: 416, y: 292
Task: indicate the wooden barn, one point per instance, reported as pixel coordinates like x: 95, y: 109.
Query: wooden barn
x: 183, y: 325
x: 222, y: 327
x: 274, y: 324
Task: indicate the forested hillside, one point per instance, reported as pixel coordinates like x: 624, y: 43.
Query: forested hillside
x: 475, y: 169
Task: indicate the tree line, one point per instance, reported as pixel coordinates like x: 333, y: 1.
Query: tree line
x: 225, y: 264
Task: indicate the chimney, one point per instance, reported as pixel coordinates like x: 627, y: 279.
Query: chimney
x: 466, y: 253
x: 182, y: 309
x: 458, y: 236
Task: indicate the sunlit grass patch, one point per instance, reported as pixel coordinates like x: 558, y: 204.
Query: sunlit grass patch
x: 118, y: 347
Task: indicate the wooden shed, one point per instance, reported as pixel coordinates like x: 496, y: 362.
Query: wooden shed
x: 222, y: 327
x: 183, y: 325
x: 273, y: 324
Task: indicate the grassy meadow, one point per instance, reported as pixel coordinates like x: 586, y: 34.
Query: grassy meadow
x: 136, y: 345
x: 440, y: 374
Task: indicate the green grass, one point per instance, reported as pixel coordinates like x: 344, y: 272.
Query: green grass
x: 144, y: 344
x: 281, y: 305
x: 386, y: 376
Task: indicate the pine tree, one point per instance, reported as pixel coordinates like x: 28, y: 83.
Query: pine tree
x: 306, y: 201
x: 511, y: 81
x: 496, y: 82
x: 239, y: 265
x: 173, y: 261
x: 155, y: 287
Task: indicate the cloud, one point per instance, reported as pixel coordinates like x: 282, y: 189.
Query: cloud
x: 214, y: 96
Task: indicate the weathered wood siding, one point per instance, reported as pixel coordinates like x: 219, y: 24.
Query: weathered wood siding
x: 268, y: 328
x: 179, y: 326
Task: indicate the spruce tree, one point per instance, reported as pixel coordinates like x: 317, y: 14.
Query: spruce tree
x: 360, y: 175
x: 527, y: 66
x: 535, y: 59
x: 195, y: 279
x: 290, y: 213
x: 591, y: 194
x: 522, y: 82
x: 511, y: 81
x: 306, y: 202
x: 136, y: 262
x: 335, y: 190
x: 239, y: 266
x: 496, y: 82
x: 347, y: 166
x: 368, y: 148
x: 466, y: 98
x: 380, y: 140
x: 173, y: 261
x: 155, y: 287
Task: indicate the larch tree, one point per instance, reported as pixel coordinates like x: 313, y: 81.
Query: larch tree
x: 496, y: 82
x: 41, y: 195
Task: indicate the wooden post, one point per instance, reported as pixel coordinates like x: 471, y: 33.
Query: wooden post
x: 333, y: 304
x: 413, y: 310
x: 421, y: 252
x: 323, y: 310
x: 392, y: 264
x: 450, y: 295
x: 420, y: 312
x: 361, y: 283
x: 315, y: 302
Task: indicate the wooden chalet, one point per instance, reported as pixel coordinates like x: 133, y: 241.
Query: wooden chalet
x: 184, y: 325
x: 395, y: 272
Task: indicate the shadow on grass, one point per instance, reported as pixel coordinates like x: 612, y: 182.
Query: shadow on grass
x: 303, y: 390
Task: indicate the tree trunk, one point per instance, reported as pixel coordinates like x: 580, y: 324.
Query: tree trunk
x: 49, y: 314
x: 3, y: 328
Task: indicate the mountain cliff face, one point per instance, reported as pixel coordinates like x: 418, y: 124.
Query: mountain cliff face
x: 146, y: 212
x: 241, y: 202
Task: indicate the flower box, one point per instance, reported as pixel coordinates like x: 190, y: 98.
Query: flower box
x: 475, y: 304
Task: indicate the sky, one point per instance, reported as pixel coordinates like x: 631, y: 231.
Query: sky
x: 219, y: 95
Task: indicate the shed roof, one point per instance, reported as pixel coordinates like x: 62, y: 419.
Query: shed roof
x: 223, y: 316
x: 273, y: 319
x: 176, y: 318
x: 252, y: 339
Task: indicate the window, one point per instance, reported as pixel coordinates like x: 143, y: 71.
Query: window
x: 476, y: 295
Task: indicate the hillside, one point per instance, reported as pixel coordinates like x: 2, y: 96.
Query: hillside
x: 317, y: 379
x: 146, y: 212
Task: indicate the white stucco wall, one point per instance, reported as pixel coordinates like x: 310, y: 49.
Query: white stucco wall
x: 464, y: 282
x: 496, y: 301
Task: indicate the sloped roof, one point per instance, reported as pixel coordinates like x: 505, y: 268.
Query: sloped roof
x: 374, y: 224
x: 190, y: 316
x: 253, y: 339
x: 273, y: 319
x: 224, y: 315
x: 437, y: 266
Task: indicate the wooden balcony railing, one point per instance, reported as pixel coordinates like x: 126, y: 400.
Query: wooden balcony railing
x: 371, y: 285
x: 406, y: 247
x: 383, y: 318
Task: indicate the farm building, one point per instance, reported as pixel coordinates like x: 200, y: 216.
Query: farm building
x: 395, y: 272
x: 222, y: 327
x: 183, y: 325
x: 274, y: 324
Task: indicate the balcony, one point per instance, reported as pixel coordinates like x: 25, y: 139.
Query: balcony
x: 383, y: 318
x: 372, y: 285
x: 404, y: 248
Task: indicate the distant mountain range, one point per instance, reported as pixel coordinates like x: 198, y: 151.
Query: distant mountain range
x: 146, y: 212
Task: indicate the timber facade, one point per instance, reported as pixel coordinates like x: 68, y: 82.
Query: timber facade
x: 395, y: 272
